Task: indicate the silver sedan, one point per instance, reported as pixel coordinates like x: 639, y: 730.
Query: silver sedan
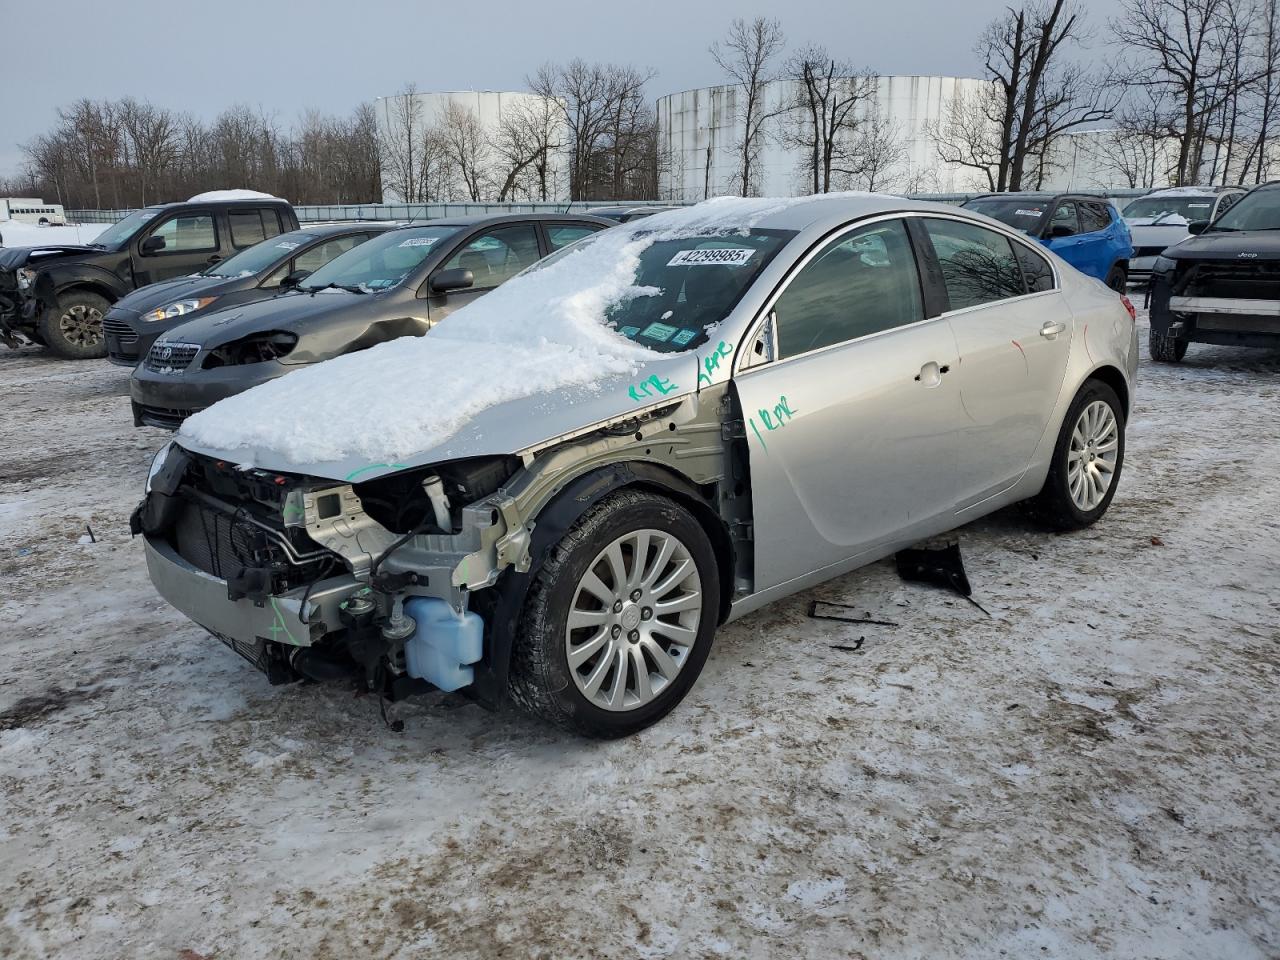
x: 823, y: 382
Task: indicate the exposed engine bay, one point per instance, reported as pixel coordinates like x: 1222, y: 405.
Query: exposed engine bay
x: 391, y: 580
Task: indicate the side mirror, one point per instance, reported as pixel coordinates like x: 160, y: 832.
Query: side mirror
x: 1060, y: 230
x: 1197, y: 227
x: 152, y: 244
x: 292, y: 280
x: 455, y: 279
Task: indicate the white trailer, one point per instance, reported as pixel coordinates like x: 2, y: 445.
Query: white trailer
x: 32, y: 210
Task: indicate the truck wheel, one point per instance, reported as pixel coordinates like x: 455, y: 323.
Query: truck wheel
x: 1118, y: 279
x: 73, y: 329
x: 1164, y: 348
x: 1087, y: 460
x: 618, y: 622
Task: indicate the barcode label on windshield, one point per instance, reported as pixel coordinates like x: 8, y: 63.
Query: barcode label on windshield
x: 419, y: 241
x: 711, y: 257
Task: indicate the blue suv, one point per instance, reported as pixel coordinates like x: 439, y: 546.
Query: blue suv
x: 1085, y: 231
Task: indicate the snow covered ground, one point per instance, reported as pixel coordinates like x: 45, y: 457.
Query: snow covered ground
x: 1091, y: 772
x: 16, y: 234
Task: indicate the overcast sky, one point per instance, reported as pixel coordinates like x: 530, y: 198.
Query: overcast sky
x: 333, y: 54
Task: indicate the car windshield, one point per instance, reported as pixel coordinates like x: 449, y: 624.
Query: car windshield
x: 1172, y: 208
x: 1021, y: 213
x: 690, y: 284
x: 379, y: 263
x: 1256, y: 210
x: 256, y: 259
x: 119, y: 233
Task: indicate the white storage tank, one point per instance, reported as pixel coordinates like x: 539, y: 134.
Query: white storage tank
x: 699, y: 130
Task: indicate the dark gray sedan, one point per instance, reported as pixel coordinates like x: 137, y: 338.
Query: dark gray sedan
x: 256, y: 273
x: 398, y: 284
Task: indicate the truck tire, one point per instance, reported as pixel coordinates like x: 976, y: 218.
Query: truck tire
x: 1118, y: 278
x: 1164, y: 348
x: 1087, y: 460
x: 73, y: 329
x: 619, y: 621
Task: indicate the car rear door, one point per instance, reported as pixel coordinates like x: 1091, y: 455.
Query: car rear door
x: 493, y: 256
x: 1013, y: 333
x: 192, y: 241
x: 850, y: 426
x: 560, y: 235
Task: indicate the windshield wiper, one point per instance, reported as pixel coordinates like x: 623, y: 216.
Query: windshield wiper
x: 335, y: 286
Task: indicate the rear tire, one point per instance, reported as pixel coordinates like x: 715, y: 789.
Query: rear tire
x: 1164, y: 348
x: 625, y: 559
x: 73, y: 329
x: 1118, y: 279
x: 1087, y: 460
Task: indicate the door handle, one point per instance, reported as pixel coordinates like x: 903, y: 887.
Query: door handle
x: 1051, y: 329
x: 931, y: 373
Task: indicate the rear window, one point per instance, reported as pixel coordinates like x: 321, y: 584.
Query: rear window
x: 1020, y: 213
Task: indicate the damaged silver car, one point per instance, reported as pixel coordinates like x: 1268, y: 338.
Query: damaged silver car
x: 822, y: 382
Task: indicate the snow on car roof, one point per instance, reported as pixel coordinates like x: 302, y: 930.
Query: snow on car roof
x: 1182, y: 192
x: 541, y: 331
x: 214, y: 196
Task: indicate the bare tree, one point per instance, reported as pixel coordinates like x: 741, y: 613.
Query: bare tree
x: 466, y: 148
x: 152, y: 133
x: 966, y: 136
x: 1041, y: 96
x: 402, y: 143
x: 747, y: 55
x: 527, y: 138
x: 824, y: 112
x: 1176, y: 45
x: 876, y: 153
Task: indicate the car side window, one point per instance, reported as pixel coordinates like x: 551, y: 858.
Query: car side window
x: 187, y: 234
x: 860, y: 283
x: 1094, y: 218
x: 1227, y: 202
x: 978, y: 265
x: 1035, y: 269
x: 497, y: 255
x: 560, y: 235
x: 319, y: 255
x: 246, y: 228
x: 1065, y: 216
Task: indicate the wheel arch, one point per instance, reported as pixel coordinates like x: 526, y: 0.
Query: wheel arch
x: 88, y: 286
x: 1115, y: 379
x: 501, y: 606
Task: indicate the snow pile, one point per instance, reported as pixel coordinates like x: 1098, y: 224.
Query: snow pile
x: 541, y: 331
x: 14, y: 233
x: 1182, y: 192
x: 218, y: 195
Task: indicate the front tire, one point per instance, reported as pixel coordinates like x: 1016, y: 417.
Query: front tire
x: 73, y: 329
x: 619, y: 621
x: 1164, y: 348
x: 1087, y: 461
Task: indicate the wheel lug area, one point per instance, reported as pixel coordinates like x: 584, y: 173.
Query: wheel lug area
x: 635, y: 596
x: 616, y: 631
x: 634, y: 636
x: 617, y: 606
x: 646, y: 613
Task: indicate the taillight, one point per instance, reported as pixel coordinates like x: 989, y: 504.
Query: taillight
x: 1128, y: 305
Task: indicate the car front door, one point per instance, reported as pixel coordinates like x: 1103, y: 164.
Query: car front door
x: 493, y: 256
x: 190, y: 243
x: 1013, y: 333
x: 850, y: 427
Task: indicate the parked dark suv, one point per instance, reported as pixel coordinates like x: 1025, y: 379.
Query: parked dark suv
x: 57, y: 294
x: 1222, y: 284
x: 257, y: 273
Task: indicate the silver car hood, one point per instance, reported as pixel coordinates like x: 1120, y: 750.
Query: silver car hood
x: 511, y: 428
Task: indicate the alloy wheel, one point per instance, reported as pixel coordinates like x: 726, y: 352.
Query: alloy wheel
x: 1092, y: 457
x: 634, y: 620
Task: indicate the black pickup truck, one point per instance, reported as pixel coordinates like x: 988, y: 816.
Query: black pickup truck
x: 57, y: 294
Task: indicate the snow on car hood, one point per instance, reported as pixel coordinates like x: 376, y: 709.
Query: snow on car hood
x: 540, y: 338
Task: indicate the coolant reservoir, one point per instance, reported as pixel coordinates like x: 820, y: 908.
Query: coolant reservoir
x: 443, y: 645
